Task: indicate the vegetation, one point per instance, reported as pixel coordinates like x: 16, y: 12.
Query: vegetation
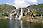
x: 3, y: 23
x: 6, y: 9
x: 4, y: 12
x: 36, y: 12
x: 38, y: 6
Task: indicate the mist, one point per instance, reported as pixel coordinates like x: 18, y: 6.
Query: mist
x: 24, y: 3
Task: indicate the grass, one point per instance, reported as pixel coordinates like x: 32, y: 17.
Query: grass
x: 3, y: 23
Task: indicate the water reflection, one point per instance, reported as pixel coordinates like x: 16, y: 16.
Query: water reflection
x: 5, y: 24
x: 11, y: 24
x: 25, y: 25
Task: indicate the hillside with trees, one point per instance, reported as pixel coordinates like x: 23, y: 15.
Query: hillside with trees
x: 5, y: 9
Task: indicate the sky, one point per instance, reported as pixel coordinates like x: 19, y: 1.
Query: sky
x: 21, y: 3
x: 6, y: 1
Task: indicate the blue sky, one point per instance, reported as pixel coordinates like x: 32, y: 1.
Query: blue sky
x: 11, y: 1
x: 40, y: 1
x: 20, y: 3
x: 6, y: 1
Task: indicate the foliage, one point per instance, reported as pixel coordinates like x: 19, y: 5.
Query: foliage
x: 6, y: 8
x: 5, y: 14
x: 36, y: 12
x: 38, y: 6
x: 3, y: 23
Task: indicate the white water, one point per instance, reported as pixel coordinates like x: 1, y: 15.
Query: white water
x: 11, y: 19
x: 18, y: 21
x: 11, y: 22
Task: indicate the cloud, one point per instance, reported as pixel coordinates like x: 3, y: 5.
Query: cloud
x: 24, y: 3
x: 40, y: 1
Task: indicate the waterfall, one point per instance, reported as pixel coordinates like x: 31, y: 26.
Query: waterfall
x: 21, y: 16
x: 10, y: 16
x: 18, y: 21
x: 11, y: 19
x: 11, y: 22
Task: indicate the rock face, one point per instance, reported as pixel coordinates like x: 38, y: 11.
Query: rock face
x: 27, y: 11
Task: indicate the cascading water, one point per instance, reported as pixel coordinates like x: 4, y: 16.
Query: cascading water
x: 11, y: 22
x: 21, y: 16
x: 18, y: 21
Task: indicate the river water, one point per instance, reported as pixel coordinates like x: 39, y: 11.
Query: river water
x: 6, y: 24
